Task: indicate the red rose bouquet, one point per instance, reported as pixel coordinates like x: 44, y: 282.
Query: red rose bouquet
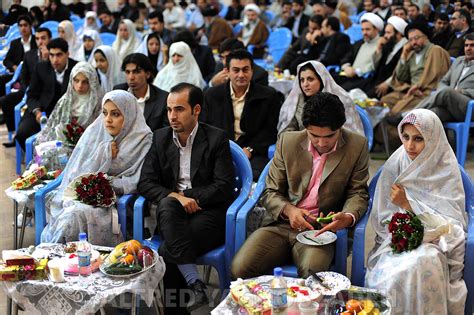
x: 73, y: 132
x: 407, y: 231
x: 94, y: 190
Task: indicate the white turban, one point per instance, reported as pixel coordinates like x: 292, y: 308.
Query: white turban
x: 398, y: 23
x: 252, y: 7
x: 373, y: 19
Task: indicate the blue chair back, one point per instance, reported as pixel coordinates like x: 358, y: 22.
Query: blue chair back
x: 461, y: 131
x: 75, y: 17
x: 51, y: 25
x: 368, y: 129
x: 354, y: 32
x: 237, y: 28
x: 8, y: 86
x: 78, y: 24
x: 269, y: 15
x: 108, y: 38
x: 278, y: 42
x: 223, y: 11
x: 358, y: 268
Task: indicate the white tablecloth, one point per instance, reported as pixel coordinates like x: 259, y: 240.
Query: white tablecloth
x: 282, y: 85
x: 80, y: 295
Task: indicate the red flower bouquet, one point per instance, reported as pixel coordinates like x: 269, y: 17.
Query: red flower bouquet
x: 407, y: 231
x: 94, y: 190
x: 73, y: 132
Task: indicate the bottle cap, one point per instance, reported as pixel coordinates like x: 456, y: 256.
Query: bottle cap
x: 59, y: 144
x: 277, y: 272
x: 82, y: 236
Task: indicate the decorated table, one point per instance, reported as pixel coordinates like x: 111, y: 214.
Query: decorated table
x: 81, y: 295
x: 305, y: 296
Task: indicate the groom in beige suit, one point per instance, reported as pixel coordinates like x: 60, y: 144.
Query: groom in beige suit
x: 314, y: 172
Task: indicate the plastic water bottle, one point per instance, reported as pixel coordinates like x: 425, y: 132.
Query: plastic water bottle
x: 279, y: 292
x: 270, y: 67
x: 43, y: 120
x: 61, y: 155
x: 84, y: 255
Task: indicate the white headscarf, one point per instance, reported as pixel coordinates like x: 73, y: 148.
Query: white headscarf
x: 95, y: 26
x: 85, y: 108
x: 296, y: 98
x: 432, y: 181
x: 72, y: 40
x: 81, y: 56
x: 186, y: 70
x: 143, y: 48
x: 122, y: 47
x: 114, y: 75
x: 93, y: 154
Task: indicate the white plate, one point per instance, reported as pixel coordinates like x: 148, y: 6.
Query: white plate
x: 335, y: 281
x: 308, y: 238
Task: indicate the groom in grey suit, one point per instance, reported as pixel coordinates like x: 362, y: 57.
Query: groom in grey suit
x: 456, y: 88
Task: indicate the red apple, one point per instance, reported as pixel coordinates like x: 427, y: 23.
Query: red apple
x: 145, y: 256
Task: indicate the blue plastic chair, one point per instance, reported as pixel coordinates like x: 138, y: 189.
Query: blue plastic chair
x: 340, y: 258
x: 461, y: 131
x: 40, y: 209
x: 278, y: 42
x: 269, y: 14
x: 333, y: 68
x: 354, y: 32
x: 358, y: 268
x: 16, y: 75
x: 78, y: 24
x: 75, y: 17
x: 221, y: 257
x: 368, y: 129
x: 223, y: 11
x: 237, y: 28
x: 108, y: 38
x: 51, y: 25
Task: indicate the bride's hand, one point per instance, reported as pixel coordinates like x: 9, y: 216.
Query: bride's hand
x: 399, y: 197
x: 115, y: 150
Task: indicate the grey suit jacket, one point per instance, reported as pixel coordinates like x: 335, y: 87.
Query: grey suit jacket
x: 453, y: 77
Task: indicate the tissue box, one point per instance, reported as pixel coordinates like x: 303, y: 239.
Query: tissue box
x: 37, y: 271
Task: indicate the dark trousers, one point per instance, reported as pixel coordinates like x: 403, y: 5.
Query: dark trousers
x: 4, y: 80
x: 26, y: 128
x: 185, y: 237
x: 258, y: 163
x: 8, y: 103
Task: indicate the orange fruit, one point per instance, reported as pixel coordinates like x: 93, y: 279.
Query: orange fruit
x: 354, y: 305
x: 132, y: 247
x: 129, y: 259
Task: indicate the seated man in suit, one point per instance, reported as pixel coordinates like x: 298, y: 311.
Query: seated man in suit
x: 189, y: 174
x: 247, y: 111
x: 18, y: 48
x: 221, y: 75
x: 31, y: 58
x: 152, y: 100
x: 299, y: 21
x: 315, y: 172
x: 109, y: 23
x: 461, y: 25
x: 456, y: 88
x: 48, y: 83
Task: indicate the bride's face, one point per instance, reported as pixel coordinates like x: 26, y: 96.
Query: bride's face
x: 309, y: 82
x: 123, y: 31
x: 176, y: 58
x: 113, y: 118
x: 101, y: 62
x: 80, y: 83
x: 413, y: 141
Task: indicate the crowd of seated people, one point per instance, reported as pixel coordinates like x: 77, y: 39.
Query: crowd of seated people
x: 160, y: 103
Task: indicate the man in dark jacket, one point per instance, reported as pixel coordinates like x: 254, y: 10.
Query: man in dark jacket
x: 151, y: 99
x: 109, y: 22
x: 189, y: 174
x: 248, y: 112
x: 48, y: 84
x: 441, y: 30
x: 31, y: 58
x: 461, y: 25
x: 299, y: 21
x: 221, y: 74
x: 17, y: 50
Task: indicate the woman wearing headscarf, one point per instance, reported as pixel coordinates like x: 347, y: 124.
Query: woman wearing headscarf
x: 153, y: 47
x: 66, y: 32
x: 312, y: 77
x: 90, y: 41
x: 107, y: 64
x: 56, y: 11
x: 80, y: 102
x: 421, y: 177
x: 182, y: 68
x: 116, y: 144
x: 90, y: 23
x: 127, y: 41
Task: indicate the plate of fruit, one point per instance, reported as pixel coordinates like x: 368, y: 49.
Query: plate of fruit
x: 129, y: 259
x: 360, y: 301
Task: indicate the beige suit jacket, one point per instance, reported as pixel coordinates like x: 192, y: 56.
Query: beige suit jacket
x: 343, y: 184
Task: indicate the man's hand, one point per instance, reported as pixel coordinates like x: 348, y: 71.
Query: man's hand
x: 406, y: 51
x: 340, y: 221
x: 399, y: 197
x: 382, y: 41
x: 220, y: 77
x: 115, y: 150
x: 298, y: 218
x: 190, y: 205
x: 44, y: 53
x: 38, y: 115
x: 350, y: 72
x: 414, y: 90
x: 381, y: 89
x: 247, y: 153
